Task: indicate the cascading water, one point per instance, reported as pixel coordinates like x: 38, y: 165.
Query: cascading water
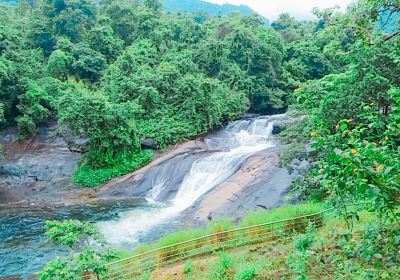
x: 231, y: 147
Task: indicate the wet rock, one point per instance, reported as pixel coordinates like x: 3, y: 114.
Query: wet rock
x: 149, y: 143
x: 258, y: 184
x: 32, y: 167
x: 276, y: 129
x: 75, y: 143
x: 159, y: 182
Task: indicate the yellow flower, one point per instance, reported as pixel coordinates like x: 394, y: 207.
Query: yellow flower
x: 315, y: 133
x: 379, y: 168
x: 354, y: 151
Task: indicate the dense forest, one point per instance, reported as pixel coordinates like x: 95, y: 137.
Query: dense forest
x: 193, y: 6
x: 122, y: 71
x: 118, y: 72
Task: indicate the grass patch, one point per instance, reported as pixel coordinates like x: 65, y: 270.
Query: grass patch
x: 281, y: 213
x: 88, y: 176
x: 246, y: 271
x: 321, y: 253
x: 188, y: 267
x: 218, y: 227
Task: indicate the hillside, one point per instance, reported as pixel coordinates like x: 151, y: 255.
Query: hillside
x: 211, y: 8
x: 122, y: 124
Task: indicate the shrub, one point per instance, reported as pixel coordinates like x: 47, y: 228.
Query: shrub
x: 83, y: 258
x: 298, y: 260
x: 224, y: 268
x: 188, y: 268
x: 281, y: 213
x: 88, y: 176
x: 246, y: 271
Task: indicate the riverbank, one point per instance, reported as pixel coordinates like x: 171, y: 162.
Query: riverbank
x: 279, y: 258
x: 190, y: 183
x: 37, y: 174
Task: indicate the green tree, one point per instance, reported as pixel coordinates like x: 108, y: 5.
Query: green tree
x: 101, y: 39
x: 59, y: 65
x: 88, y: 63
x: 154, y: 5
x: 83, y: 258
x: 69, y: 17
x: 110, y: 127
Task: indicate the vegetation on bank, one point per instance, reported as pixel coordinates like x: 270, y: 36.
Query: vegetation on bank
x: 88, y: 251
x: 366, y: 250
x: 122, y: 164
x: 329, y: 252
x: 117, y: 72
x: 221, y: 225
x: 122, y: 71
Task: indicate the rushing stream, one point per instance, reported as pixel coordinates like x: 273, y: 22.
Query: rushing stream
x: 23, y: 247
x: 232, y: 146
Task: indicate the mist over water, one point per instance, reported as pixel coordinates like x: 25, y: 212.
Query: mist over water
x: 232, y: 146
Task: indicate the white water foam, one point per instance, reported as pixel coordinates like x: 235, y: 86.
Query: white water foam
x: 241, y: 140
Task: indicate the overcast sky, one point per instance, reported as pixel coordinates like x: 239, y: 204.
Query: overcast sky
x: 300, y: 9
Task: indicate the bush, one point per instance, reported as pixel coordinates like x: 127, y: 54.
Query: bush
x: 298, y: 260
x: 88, y: 176
x: 83, y: 258
x: 224, y: 268
x: 246, y: 271
x: 281, y: 213
x: 188, y: 268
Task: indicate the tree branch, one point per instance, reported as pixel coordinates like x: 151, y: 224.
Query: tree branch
x: 391, y: 36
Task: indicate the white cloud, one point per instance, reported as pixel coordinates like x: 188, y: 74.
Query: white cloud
x: 300, y: 9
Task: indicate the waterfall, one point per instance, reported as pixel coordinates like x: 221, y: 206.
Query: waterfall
x: 231, y: 147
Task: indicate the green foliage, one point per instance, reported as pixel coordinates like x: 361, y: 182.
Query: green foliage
x: 101, y: 38
x: 88, y: 63
x: 355, y: 113
x: 59, y: 64
x: 247, y: 271
x: 70, y: 18
x: 188, y: 267
x: 110, y: 127
x: 224, y: 268
x: 376, y: 247
x: 281, y: 213
x: 84, y: 258
x: 71, y: 232
x: 128, y: 71
x: 145, y: 276
x: 122, y: 164
x: 37, y: 105
x: 298, y: 260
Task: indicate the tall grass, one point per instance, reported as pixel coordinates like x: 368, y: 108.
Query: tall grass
x: 219, y: 226
x: 217, y: 235
x: 281, y: 213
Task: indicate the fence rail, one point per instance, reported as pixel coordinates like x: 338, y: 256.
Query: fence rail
x: 134, y: 266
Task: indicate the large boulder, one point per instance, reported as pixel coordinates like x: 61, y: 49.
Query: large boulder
x: 276, y: 129
x: 149, y: 143
x: 75, y: 143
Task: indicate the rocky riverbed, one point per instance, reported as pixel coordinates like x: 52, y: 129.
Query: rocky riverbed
x: 37, y: 173
x: 226, y: 173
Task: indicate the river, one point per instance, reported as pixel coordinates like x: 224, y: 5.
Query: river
x: 24, y: 249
